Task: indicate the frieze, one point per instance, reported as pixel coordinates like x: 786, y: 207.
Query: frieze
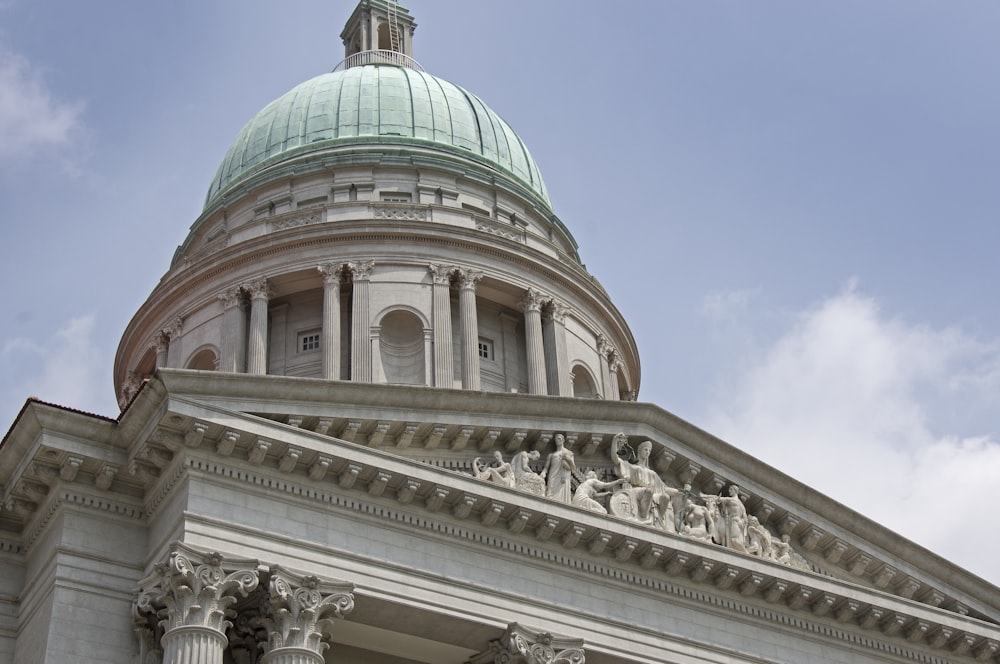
x: 638, y: 493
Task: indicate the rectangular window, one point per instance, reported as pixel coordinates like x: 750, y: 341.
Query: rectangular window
x: 396, y: 197
x: 485, y: 349
x: 308, y: 341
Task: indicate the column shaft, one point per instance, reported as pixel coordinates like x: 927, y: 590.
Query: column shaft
x: 444, y: 369
x: 193, y: 644
x: 361, y: 354
x: 257, y: 351
x: 232, y: 326
x: 564, y: 376
x: 470, y: 331
x: 533, y: 337
x: 330, y: 340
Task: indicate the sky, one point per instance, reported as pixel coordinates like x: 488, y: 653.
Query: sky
x: 794, y: 204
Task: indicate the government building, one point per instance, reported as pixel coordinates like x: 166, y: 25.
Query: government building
x: 378, y: 412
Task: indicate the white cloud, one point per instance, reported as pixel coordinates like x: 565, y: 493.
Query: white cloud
x: 66, y: 369
x: 851, y: 402
x: 30, y: 118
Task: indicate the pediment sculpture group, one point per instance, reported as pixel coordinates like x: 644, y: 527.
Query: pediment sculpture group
x: 639, y: 494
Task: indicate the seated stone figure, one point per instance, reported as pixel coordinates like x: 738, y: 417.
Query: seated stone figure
x: 525, y: 479
x: 651, y: 500
x: 500, y: 472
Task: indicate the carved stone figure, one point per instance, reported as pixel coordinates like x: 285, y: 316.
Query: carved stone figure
x: 652, y: 499
x: 698, y: 522
x: 558, y: 472
x: 731, y: 527
x: 500, y: 472
x: 759, y: 540
x: 525, y: 479
x: 590, y: 490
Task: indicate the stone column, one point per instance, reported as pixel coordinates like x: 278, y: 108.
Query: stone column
x: 361, y: 352
x: 330, y: 340
x: 532, y: 304
x: 562, y: 374
x: 444, y: 369
x: 160, y: 343
x: 299, y: 612
x: 195, y: 591
x: 470, y: 329
x: 172, y: 333
x: 257, y: 346
x: 520, y: 645
x: 233, y: 328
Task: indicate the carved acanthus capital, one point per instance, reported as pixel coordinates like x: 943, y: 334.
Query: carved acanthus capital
x: 520, y: 645
x: 158, y: 342
x: 558, y: 311
x: 173, y: 328
x: 231, y: 297
x: 361, y: 270
x: 193, y: 588
x: 441, y: 274
x: 300, y: 610
x: 258, y: 289
x: 468, y: 279
x: 332, y: 272
x: 532, y: 301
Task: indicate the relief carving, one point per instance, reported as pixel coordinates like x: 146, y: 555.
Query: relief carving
x: 638, y: 493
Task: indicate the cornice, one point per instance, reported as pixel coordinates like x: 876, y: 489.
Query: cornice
x: 699, y: 574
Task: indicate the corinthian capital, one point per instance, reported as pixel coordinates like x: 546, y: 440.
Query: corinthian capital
x: 258, y: 289
x: 173, y: 328
x: 361, y: 270
x: 520, y: 645
x: 441, y: 273
x: 300, y: 610
x: 332, y: 272
x: 532, y: 300
x: 193, y: 588
x: 231, y: 297
x: 468, y: 279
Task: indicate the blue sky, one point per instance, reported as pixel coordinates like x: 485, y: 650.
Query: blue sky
x: 794, y: 205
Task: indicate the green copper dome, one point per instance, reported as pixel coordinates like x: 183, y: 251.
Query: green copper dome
x: 376, y: 104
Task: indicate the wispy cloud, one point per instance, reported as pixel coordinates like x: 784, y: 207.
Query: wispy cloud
x: 854, y: 403
x: 31, y: 118
x: 66, y: 368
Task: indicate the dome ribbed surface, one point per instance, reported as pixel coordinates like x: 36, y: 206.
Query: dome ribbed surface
x: 375, y: 104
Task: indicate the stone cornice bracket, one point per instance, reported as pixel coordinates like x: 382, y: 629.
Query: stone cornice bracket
x: 520, y: 645
x: 193, y: 589
x: 299, y: 615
